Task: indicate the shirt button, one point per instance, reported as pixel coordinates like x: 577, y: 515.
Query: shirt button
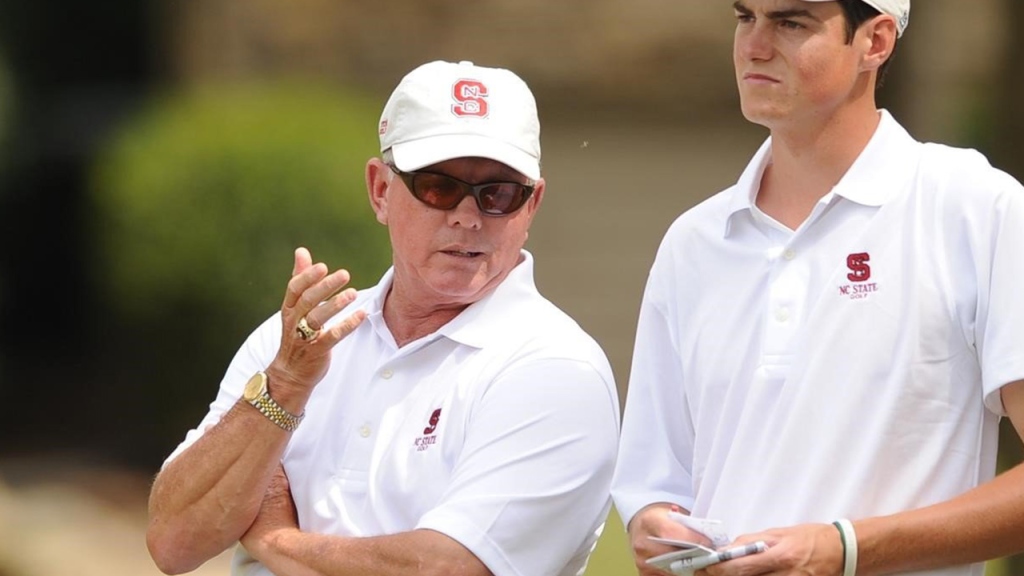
x: 387, y: 373
x: 782, y: 314
x: 789, y: 254
x: 364, y: 431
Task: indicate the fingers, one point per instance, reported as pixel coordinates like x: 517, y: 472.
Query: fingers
x: 303, y: 260
x: 342, y: 329
x: 300, y: 282
x: 310, y: 287
x: 319, y: 316
x: 327, y: 339
x: 310, y: 301
x: 313, y: 307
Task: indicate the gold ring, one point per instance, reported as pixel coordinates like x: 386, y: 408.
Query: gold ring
x: 305, y: 332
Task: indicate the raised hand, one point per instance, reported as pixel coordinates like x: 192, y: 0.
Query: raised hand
x: 314, y: 296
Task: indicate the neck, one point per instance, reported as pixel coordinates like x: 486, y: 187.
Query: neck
x: 408, y: 321
x: 808, y: 161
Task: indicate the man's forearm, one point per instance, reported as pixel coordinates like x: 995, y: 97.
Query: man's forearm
x: 205, y: 499
x: 291, y: 552
x: 987, y: 522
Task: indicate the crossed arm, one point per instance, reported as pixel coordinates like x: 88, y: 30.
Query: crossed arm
x: 229, y: 486
x: 222, y: 488
x: 206, y: 498
x: 277, y: 542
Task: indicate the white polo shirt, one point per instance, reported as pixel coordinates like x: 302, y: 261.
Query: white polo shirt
x: 499, y: 430
x: 840, y: 370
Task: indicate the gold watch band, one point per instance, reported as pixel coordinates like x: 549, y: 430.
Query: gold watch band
x: 273, y: 411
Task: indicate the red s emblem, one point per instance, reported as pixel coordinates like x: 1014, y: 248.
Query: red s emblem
x: 434, y: 419
x: 857, y: 263
x: 470, y: 97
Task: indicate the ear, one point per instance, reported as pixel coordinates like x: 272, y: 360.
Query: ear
x: 878, y: 38
x: 378, y: 182
x: 533, y: 204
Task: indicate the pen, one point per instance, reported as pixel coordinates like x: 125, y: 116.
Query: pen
x: 694, y: 564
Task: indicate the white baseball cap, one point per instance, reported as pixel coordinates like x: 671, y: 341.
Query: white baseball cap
x: 898, y: 9
x: 442, y: 110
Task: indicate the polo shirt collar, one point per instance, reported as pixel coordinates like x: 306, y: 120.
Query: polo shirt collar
x: 875, y: 176
x: 374, y: 307
x: 744, y: 193
x: 482, y: 322
x: 492, y: 317
x: 882, y: 167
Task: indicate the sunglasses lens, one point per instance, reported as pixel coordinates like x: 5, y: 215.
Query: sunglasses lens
x: 444, y: 193
x: 503, y: 198
x: 437, y: 190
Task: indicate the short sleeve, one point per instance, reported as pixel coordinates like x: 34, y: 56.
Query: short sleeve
x: 1000, y: 324
x: 529, y: 493
x: 656, y: 449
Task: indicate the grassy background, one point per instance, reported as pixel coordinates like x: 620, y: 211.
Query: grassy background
x: 612, y: 556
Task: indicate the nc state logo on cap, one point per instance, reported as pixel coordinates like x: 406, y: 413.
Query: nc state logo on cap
x: 442, y: 110
x: 470, y: 97
x: 383, y: 128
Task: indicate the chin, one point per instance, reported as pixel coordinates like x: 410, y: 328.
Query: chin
x: 760, y: 114
x: 465, y: 291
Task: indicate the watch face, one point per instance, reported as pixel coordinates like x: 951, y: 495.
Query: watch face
x: 255, y: 386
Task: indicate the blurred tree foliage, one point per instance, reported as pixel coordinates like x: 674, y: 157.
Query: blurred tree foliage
x: 202, y: 198
x: 199, y: 201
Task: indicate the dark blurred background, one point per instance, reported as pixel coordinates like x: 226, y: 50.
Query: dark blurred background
x: 160, y: 160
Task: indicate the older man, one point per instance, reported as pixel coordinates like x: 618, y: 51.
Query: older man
x: 449, y: 420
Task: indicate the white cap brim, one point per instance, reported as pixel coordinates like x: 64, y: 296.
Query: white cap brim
x: 898, y: 9
x: 416, y: 154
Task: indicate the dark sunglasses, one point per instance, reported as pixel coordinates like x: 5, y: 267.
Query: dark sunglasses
x: 445, y: 193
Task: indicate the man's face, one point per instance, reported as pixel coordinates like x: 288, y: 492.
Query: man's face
x: 448, y: 258
x: 793, y: 62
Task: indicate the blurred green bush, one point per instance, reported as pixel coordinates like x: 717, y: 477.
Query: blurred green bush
x: 202, y: 197
x: 198, y: 201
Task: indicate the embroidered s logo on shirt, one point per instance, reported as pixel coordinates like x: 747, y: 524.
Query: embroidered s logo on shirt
x: 429, y: 438
x: 859, y: 276
x: 860, y: 271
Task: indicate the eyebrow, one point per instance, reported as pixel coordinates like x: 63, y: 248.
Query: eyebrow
x: 777, y: 14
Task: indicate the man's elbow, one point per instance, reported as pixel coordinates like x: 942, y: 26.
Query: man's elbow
x: 168, y: 553
x: 454, y: 566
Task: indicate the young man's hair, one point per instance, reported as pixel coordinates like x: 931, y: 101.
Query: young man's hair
x: 857, y: 13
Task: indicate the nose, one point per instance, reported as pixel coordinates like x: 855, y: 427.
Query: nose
x: 754, y: 42
x: 466, y: 214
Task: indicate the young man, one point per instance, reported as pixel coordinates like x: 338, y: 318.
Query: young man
x: 448, y: 421
x: 825, y: 349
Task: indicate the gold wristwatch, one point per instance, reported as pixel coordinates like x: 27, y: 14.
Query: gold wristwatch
x: 256, y: 393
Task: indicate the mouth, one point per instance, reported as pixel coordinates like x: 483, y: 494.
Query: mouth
x: 759, y: 78
x: 462, y: 253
